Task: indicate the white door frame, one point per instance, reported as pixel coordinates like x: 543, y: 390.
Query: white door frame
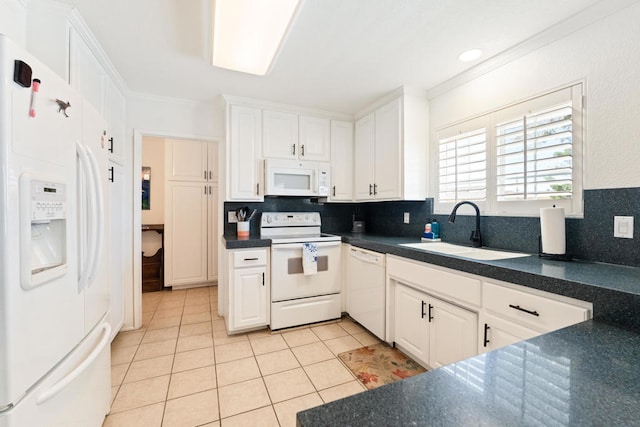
x: 138, y: 134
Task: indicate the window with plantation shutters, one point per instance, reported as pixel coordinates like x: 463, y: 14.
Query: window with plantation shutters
x: 516, y: 159
x: 534, y: 155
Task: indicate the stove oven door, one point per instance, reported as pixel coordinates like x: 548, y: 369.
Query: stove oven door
x: 287, y: 278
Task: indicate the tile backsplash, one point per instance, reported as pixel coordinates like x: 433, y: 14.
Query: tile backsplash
x: 590, y: 238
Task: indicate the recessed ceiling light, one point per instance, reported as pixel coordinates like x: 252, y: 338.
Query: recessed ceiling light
x: 247, y: 33
x: 470, y: 55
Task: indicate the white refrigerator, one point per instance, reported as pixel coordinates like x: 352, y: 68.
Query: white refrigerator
x: 54, y: 295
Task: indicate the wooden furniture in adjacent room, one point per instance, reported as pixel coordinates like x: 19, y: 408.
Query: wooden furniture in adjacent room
x: 153, y: 266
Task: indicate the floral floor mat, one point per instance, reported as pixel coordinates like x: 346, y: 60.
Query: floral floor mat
x: 380, y: 364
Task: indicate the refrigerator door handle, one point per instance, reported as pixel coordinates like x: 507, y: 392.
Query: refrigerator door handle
x: 68, y: 379
x: 89, y: 193
x: 98, y: 214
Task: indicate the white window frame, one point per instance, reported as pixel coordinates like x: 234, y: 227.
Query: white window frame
x: 573, y: 207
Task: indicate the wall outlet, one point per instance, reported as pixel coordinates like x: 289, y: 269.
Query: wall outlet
x: 231, y: 219
x: 406, y: 217
x: 623, y: 227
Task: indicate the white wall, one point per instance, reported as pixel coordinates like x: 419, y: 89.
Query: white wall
x: 606, y: 56
x: 153, y: 157
x: 176, y: 116
x: 13, y: 20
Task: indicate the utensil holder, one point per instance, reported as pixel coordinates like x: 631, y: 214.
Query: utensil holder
x: 243, y: 228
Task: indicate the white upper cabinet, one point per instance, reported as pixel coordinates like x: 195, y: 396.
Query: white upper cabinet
x: 391, y: 149
x: 186, y: 160
x: 293, y: 136
x: 363, y: 171
x: 116, y: 115
x: 244, y: 171
x: 279, y: 135
x: 341, y: 161
x: 314, y: 139
x: 387, y: 151
x: 86, y: 74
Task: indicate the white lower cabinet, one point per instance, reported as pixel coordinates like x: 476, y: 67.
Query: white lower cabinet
x: 433, y: 331
x: 411, y: 326
x: 249, y: 295
x: 512, y: 313
x: 453, y: 334
x: 185, y: 233
x: 439, y: 316
x: 497, y: 332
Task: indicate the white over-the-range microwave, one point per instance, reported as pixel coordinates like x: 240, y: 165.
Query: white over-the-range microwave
x: 284, y: 177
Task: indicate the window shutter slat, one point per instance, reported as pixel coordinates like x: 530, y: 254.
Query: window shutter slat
x: 463, y: 167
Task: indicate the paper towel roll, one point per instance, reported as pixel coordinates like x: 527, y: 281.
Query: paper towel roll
x: 552, y: 231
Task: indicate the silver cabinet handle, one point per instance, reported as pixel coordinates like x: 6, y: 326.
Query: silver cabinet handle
x: 257, y: 189
x: 302, y: 150
x: 294, y: 149
x: 205, y: 175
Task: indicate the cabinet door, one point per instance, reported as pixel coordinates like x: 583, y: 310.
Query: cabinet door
x: 279, y: 135
x: 496, y: 332
x: 314, y: 139
x: 388, y: 181
x: 249, y: 298
x: 115, y: 109
x: 118, y: 250
x: 364, y: 176
x: 245, y: 169
x: 341, y: 161
x: 186, y: 160
x: 212, y: 162
x: 212, y: 252
x: 453, y: 333
x: 411, y: 324
x: 86, y: 75
x: 186, y: 233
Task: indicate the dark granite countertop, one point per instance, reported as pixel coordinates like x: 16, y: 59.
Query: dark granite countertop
x: 613, y: 289
x: 584, y: 375
x: 231, y: 241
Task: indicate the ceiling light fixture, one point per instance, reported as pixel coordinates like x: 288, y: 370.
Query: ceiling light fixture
x: 247, y: 33
x: 470, y: 55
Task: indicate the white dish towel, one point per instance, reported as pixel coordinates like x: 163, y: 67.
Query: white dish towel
x: 309, y: 258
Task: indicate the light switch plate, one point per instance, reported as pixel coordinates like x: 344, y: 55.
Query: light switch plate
x: 406, y: 217
x: 231, y: 219
x: 623, y: 227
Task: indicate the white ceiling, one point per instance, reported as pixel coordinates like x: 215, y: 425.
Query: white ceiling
x: 339, y: 55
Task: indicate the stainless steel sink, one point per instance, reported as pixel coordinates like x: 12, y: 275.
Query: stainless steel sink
x: 480, y: 254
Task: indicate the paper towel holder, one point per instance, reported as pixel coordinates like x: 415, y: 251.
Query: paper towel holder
x: 553, y: 257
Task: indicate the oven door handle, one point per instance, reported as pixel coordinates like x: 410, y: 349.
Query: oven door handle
x: 278, y: 246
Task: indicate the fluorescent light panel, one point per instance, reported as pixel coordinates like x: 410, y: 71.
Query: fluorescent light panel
x: 248, y: 33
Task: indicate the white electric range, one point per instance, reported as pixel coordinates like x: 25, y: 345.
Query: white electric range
x: 296, y: 298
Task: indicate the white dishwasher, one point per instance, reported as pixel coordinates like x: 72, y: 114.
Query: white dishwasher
x: 366, y: 289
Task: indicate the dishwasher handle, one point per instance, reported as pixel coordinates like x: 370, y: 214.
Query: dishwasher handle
x: 366, y: 256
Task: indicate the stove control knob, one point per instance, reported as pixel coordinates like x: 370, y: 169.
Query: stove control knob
x: 268, y: 219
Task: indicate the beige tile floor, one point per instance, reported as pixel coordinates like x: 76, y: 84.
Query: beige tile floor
x: 182, y: 369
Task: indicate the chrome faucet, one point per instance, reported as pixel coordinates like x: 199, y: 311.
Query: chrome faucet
x: 475, y: 238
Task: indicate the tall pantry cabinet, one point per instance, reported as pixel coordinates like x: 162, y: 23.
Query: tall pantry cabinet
x: 191, y: 198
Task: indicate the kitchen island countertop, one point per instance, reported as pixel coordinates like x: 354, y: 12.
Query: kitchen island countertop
x: 583, y: 375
